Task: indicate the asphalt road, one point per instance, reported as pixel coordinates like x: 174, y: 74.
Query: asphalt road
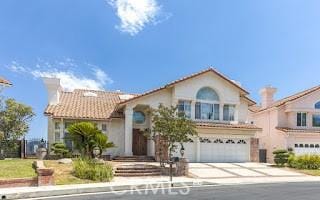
x: 284, y: 191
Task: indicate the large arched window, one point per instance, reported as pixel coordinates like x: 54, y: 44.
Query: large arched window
x: 207, y: 106
x: 317, y: 106
x: 207, y: 94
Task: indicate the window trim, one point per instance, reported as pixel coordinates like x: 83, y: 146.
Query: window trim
x: 301, y: 119
x: 184, y: 107
x: 234, y: 112
x: 214, y: 105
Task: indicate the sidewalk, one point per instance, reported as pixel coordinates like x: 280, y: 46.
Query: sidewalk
x: 120, y: 184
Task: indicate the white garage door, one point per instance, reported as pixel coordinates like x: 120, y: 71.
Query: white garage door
x: 218, y: 150
x: 190, y: 151
x: 306, y: 148
x: 224, y: 150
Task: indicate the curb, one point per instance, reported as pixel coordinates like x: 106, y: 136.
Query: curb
x: 69, y: 191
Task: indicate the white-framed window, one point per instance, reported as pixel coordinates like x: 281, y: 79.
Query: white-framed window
x: 301, y: 119
x: 57, y: 136
x: 104, y: 127
x: 57, y: 125
x: 184, y: 107
x: 207, y: 106
x: 228, y: 112
x: 207, y: 111
x: 316, y: 120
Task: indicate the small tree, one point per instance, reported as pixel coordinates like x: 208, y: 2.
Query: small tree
x: 175, y: 127
x: 14, y: 122
x: 86, y: 136
x: 60, y: 149
x: 281, y: 157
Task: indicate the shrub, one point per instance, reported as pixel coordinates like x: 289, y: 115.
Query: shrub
x: 281, y: 157
x: 89, y: 169
x: 304, y: 162
x: 60, y: 149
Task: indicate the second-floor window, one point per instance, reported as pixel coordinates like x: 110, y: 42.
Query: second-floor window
x: 207, y: 111
x: 207, y: 105
x: 185, y: 107
x: 228, y: 112
x: 301, y: 119
x: 316, y: 120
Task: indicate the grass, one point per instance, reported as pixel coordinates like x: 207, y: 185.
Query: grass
x: 63, y: 173
x: 312, y: 172
x: 16, y: 168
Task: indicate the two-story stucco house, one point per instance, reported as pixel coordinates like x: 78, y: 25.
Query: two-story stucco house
x: 218, y: 105
x: 292, y: 122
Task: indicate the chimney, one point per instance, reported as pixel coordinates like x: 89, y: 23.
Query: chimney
x: 267, y: 94
x: 54, y: 89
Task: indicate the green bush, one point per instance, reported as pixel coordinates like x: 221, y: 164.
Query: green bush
x: 89, y: 169
x: 281, y: 157
x: 304, y: 162
x: 61, y: 150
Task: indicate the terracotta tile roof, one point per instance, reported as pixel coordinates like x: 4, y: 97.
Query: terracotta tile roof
x: 210, y: 69
x: 224, y: 125
x: 75, y: 105
x: 4, y: 81
x: 286, y: 100
x: 286, y: 129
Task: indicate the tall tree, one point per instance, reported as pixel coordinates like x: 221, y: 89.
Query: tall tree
x: 175, y: 127
x: 15, y: 118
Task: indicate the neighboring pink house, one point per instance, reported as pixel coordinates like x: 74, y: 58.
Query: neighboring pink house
x: 292, y: 122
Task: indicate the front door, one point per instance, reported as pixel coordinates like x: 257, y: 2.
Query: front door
x: 139, y: 143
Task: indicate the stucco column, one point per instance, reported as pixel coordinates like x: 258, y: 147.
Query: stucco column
x: 151, y: 143
x: 61, y: 130
x: 236, y: 113
x: 193, y: 110
x: 128, y: 132
x: 198, y: 154
x: 221, y: 112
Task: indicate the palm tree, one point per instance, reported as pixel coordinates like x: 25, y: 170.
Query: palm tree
x: 86, y: 136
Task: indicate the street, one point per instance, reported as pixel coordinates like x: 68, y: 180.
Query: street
x: 282, y: 191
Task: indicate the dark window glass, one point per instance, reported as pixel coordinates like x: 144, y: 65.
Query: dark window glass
x: 317, y: 106
x: 316, y: 120
x: 301, y: 119
x: 139, y: 117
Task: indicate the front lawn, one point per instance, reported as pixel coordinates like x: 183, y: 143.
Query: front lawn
x: 63, y: 174
x: 16, y: 168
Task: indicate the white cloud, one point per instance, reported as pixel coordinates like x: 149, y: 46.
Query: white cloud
x: 70, y: 80
x: 135, y: 14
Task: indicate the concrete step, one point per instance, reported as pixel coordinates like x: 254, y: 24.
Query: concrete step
x: 138, y: 171
x: 138, y: 174
x: 133, y: 161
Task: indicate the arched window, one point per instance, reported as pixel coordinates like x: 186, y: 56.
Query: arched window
x: 207, y: 94
x: 139, y: 117
x: 317, y: 106
x: 207, y: 110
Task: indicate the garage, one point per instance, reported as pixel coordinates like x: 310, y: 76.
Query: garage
x: 306, y: 148
x: 218, y: 150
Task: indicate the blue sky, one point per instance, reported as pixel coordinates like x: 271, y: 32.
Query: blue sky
x: 138, y: 45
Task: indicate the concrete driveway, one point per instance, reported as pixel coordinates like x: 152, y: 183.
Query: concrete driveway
x: 233, y: 170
